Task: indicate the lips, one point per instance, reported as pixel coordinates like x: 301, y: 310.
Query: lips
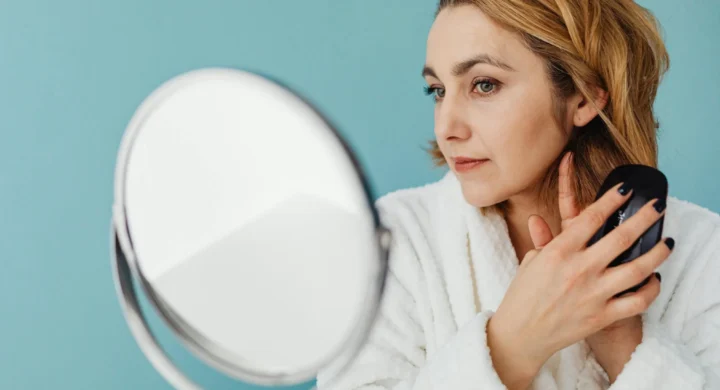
x: 465, y: 160
x: 464, y: 164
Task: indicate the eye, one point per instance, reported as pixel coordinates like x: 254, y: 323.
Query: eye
x: 486, y: 86
x: 438, y: 93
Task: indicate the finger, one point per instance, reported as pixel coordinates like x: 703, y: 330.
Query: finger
x: 566, y: 197
x: 529, y: 256
x: 584, y: 226
x: 630, y: 274
x: 632, y: 304
x: 623, y: 236
x: 540, y: 232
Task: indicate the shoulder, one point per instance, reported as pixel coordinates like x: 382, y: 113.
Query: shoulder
x: 692, y: 269
x: 416, y: 218
x: 415, y: 204
x: 683, y: 209
x: 694, y: 224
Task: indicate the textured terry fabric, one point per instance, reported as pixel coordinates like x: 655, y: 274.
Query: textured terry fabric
x: 450, y: 267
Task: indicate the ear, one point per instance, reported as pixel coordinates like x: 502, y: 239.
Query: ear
x: 585, y: 111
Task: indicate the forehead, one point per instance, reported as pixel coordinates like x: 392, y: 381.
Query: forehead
x: 461, y: 32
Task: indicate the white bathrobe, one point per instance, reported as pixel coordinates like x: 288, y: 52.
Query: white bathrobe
x: 450, y: 267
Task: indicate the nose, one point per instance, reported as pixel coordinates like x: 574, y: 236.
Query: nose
x: 451, y: 121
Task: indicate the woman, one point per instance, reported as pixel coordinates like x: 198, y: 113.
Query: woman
x: 491, y: 283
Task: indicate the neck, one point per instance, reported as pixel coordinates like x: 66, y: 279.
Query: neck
x: 519, y: 209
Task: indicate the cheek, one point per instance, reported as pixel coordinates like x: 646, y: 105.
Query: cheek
x: 528, y: 138
x: 441, y: 140
x: 523, y: 140
x: 436, y: 124
x: 509, y: 132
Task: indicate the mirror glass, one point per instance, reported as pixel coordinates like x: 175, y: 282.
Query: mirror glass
x: 251, y: 225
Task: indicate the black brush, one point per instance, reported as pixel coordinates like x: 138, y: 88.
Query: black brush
x: 647, y: 183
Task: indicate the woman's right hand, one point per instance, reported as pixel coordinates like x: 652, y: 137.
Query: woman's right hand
x: 563, y: 292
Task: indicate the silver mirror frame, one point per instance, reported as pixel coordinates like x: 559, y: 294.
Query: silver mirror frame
x: 126, y: 270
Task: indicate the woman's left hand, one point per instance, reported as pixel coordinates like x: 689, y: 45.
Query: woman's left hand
x: 613, y: 345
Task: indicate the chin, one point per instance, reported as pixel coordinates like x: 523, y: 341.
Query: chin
x: 479, y: 195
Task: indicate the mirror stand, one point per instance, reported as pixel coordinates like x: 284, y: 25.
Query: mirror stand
x: 139, y: 327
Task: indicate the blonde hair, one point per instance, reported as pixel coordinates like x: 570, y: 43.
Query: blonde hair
x: 611, y: 44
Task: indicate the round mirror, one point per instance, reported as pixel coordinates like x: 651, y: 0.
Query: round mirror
x: 247, y: 222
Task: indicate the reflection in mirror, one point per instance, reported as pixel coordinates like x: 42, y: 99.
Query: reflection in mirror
x: 250, y: 226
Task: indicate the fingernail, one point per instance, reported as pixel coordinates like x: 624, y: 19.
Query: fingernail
x: 624, y: 189
x: 670, y: 243
x: 659, y: 205
x: 657, y: 275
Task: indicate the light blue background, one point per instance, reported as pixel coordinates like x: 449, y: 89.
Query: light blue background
x: 72, y: 72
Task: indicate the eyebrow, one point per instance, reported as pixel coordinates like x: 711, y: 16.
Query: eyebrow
x: 465, y: 66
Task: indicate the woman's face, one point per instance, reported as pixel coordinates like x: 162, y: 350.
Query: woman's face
x: 493, y: 104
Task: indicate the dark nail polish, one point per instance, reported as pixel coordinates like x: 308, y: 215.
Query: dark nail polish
x: 670, y: 243
x: 659, y: 205
x: 657, y: 275
x: 624, y: 189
